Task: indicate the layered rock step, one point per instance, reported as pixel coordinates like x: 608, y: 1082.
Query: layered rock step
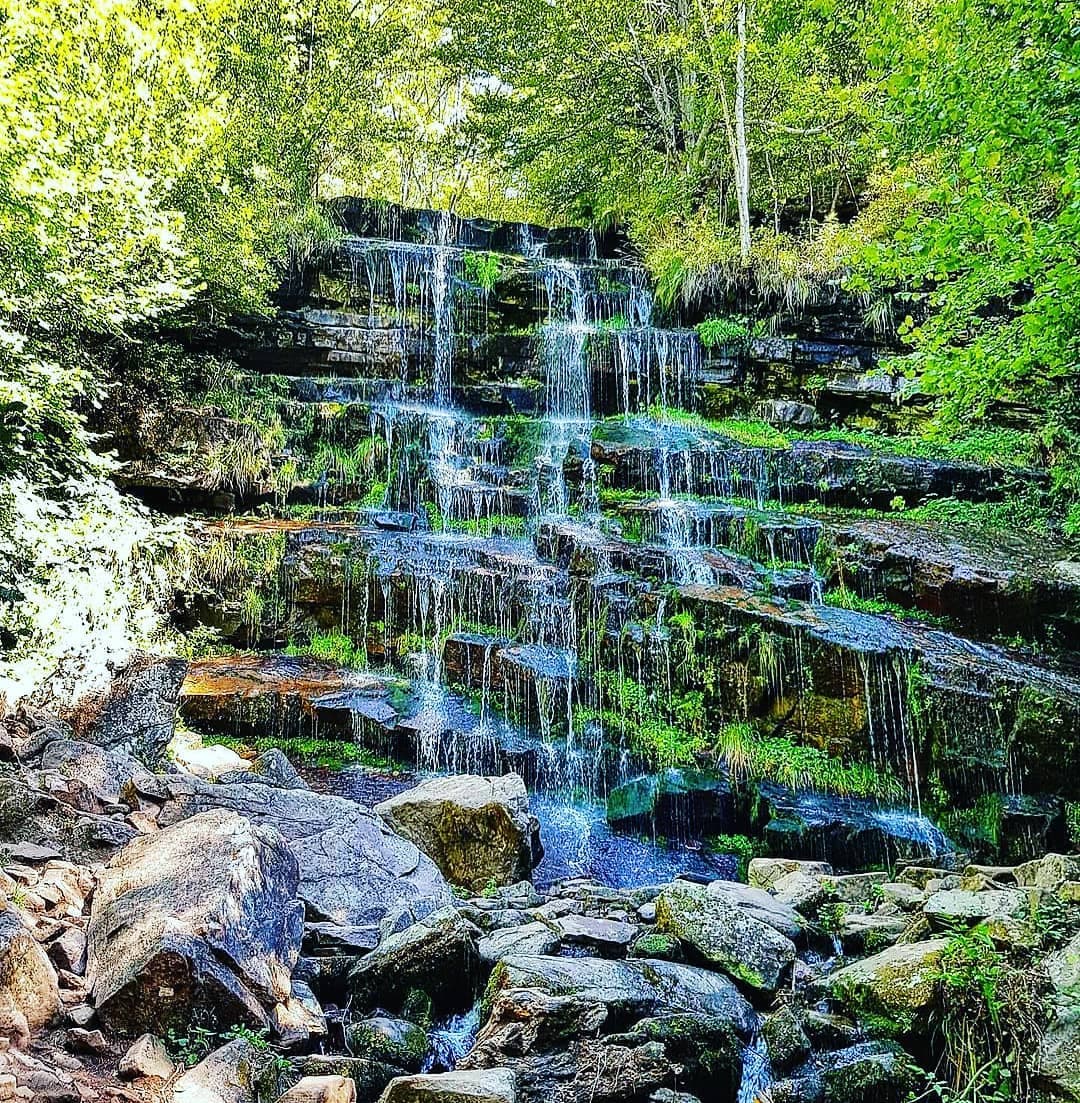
x: 670, y: 458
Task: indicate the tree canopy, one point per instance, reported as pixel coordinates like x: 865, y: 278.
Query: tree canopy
x: 159, y: 163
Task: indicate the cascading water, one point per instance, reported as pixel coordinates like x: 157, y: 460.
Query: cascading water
x: 757, y: 1077
x: 498, y: 644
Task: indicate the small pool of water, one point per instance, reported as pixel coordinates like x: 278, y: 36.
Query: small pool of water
x: 578, y: 842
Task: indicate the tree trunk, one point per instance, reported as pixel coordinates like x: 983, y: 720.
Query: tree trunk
x: 742, y: 158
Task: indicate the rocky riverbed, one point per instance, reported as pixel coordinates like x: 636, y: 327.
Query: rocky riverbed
x: 203, y: 933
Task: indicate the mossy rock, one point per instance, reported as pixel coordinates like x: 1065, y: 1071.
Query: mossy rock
x: 878, y: 1071
x: 657, y: 944
x: 897, y: 986
x: 395, y: 1042
x: 725, y: 935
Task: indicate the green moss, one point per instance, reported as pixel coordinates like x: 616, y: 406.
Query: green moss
x: 328, y: 754
x: 655, y: 944
x: 334, y: 647
x: 496, y: 983
x: 482, y: 269
x: 754, y: 756
x: 843, y: 598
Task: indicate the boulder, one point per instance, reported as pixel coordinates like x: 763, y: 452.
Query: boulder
x: 29, y: 995
x: 395, y: 1042
x: 562, y: 1024
x: 477, y: 830
x: 898, y: 983
x: 605, y: 936
x: 300, y: 1018
x: 949, y: 907
x: 353, y: 868
x: 1063, y: 968
x: 676, y: 803
x: 272, y: 767
x: 781, y: 411
x: 763, y: 873
x: 526, y: 938
x: 493, y: 1085
x: 68, y: 952
x: 878, y: 1071
x: 633, y: 989
x: 437, y: 956
x: 30, y: 816
x: 197, y: 920
x: 206, y: 760
x: 82, y: 1040
x: 728, y: 936
x: 1057, y: 1061
x: 111, y: 775
x: 321, y: 1089
x: 1049, y: 872
x: 138, y: 713
x: 763, y: 906
x: 369, y: 1075
x: 863, y: 933
x: 857, y: 889
x: 800, y: 891
x: 147, y: 1056
x: 785, y: 1039
x: 905, y: 897
x: 235, y: 1073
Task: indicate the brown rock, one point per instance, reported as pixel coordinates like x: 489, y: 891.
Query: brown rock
x: 29, y: 995
x: 68, y: 952
x: 147, y: 1057
x: 87, y: 1041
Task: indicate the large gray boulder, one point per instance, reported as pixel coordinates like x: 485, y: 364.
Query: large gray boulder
x: 730, y: 937
x: 578, y: 1030
x: 632, y: 989
x: 111, y: 775
x: 1057, y: 1060
x: 761, y: 905
x: 29, y: 997
x: 353, y: 868
x: 197, y: 922
x: 477, y: 830
x: 899, y: 983
x: 137, y: 714
x: 437, y: 956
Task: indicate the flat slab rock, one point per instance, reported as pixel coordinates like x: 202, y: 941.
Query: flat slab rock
x: 353, y: 868
x: 494, y: 1085
x: 638, y: 988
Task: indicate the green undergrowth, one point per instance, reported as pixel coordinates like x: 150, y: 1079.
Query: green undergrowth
x: 843, y: 598
x: 753, y: 756
x: 664, y: 729
x: 1025, y: 511
x: 991, y: 1015
x: 741, y: 847
x: 499, y: 524
x: 995, y: 447
x: 331, y: 647
x: 326, y: 754
x: 482, y: 269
